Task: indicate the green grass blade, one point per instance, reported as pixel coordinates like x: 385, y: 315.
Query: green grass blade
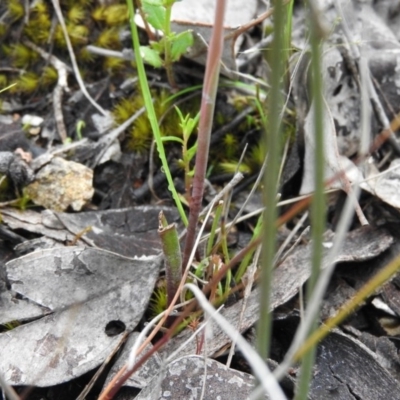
x: 151, y: 112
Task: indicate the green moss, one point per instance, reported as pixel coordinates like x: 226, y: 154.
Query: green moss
x: 116, y: 14
x: 78, y: 35
x: 23, y: 201
x: 22, y: 56
x: 26, y: 83
x: 123, y: 110
x: 85, y: 56
x: 39, y: 25
x: 76, y: 14
x: 3, y: 29
x: 112, y: 15
x: 3, y: 81
x: 109, y: 38
x: 98, y: 14
x: 86, y: 3
x: 158, y: 301
x: 230, y: 145
x: 114, y: 64
x: 15, y: 10
x: 140, y: 135
x: 219, y: 119
x: 49, y: 76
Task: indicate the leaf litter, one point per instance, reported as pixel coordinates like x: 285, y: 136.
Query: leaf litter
x: 83, y: 291
x: 76, y: 302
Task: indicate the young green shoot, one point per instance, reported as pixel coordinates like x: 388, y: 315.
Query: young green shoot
x: 172, y: 255
x: 151, y: 112
x: 171, y: 46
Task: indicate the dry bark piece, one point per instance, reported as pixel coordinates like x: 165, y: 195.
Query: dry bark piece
x: 346, y: 369
x: 338, y: 292
x: 359, y: 245
x: 184, y: 378
x: 62, y: 184
x: 129, y: 231
x: 88, y: 292
x: 385, y: 350
x: 36, y: 222
x: 391, y: 294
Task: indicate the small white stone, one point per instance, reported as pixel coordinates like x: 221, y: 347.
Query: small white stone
x: 32, y: 120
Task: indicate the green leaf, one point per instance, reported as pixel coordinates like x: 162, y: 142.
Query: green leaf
x: 155, y: 14
x: 158, y: 46
x: 191, y: 152
x: 172, y: 139
x: 153, y: 2
x: 180, y: 43
x: 151, y: 57
x: 168, y: 3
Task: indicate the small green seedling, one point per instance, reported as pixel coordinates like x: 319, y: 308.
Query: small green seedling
x: 172, y: 45
x: 187, y: 125
x: 79, y: 126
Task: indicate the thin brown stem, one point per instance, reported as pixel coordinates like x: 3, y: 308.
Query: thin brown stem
x: 205, y: 125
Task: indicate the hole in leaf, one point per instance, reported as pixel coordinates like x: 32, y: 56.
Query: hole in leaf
x: 114, y: 328
x: 337, y: 90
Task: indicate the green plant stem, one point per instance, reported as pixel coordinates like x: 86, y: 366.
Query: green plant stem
x: 217, y: 218
x: 167, y: 46
x: 206, y: 119
x: 288, y: 39
x: 272, y: 142
x: 151, y: 112
x: 172, y: 255
x: 318, y: 206
x: 246, y: 260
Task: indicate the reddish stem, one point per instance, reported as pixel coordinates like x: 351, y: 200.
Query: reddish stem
x: 205, y: 125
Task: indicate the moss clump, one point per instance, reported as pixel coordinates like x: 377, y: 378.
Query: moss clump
x: 15, y: 10
x: 86, y: 22
x: 112, y: 15
x: 22, y: 56
x: 78, y: 35
x: 158, y: 300
x: 140, y: 136
x: 49, y: 76
x: 114, y: 64
x: 3, y: 81
x: 109, y: 38
x: 39, y: 25
x: 76, y: 14
x: 26, y: 83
